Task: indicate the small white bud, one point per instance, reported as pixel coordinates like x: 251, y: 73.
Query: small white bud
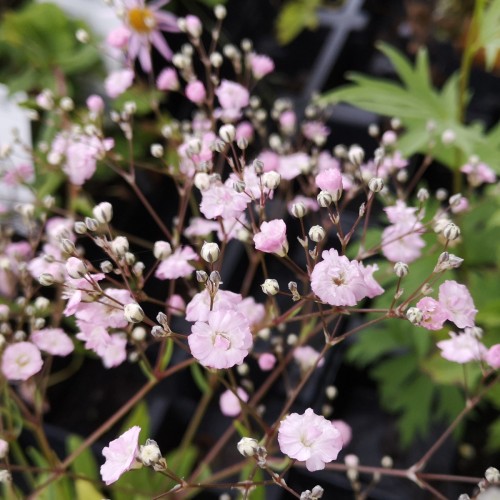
x: 82, y: 36
x: 201, y: 276
x: 247, y: 446
x: 91, y: 223
x: 356, y: 155
x: 66, y: 104
x: 162, y: 250
x: 387, y: 462
x: 317, y: 233
x: 239, y: 186
x: 227, y: 133
x: 103, y: 212
x: 46, y: 279
x: 210, y: 252
x: 130, y: 107
x: 258, y: 166
x: 331, y: 392
x: 76, y: 268
x: 202, y: 181
x: 448, y: 137
x: 376, y: 184
x: 139, y: 333
x: 271, y: 179
x: 80, y: 227
x: 373, y: 130
x: 451, y: 231
x: 120, y: 246
x: 299, y: 210
x: 325, y: 199
x: 270, y: 287
x: 220, y: 12
x: 422, y: 195
x: 156, y: 150
x: 414, y: 315
x: 106, y: 266
x: 133, y: 313
x: 149, y: 453
x: 401, y: 269
x: 67, y: 246
x: 492, y: 475
x: 216, y: 59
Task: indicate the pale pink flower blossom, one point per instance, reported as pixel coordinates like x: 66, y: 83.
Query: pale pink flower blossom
x: 19, y: 173
x: 222, y: 342
x: 306, y: 357
x: 291, y: 166
x: 244, y: 130
x: 315, y: 131
x: 478, y: 173
x: 272, y: 237
x: 198, y: 308
x: 53, y: 341
x: 4, y: 448
x: 120, y: 455
x: 79, y: 290
x: 310, y: 438
x: 119, y: 37
x: 260, y: 65
x: 177, y: 265
x: 456, y: 300
x: 373, y: 289
x: 266, y: 361
x: 118, y: 82
x: 229, y: 403
x: 167, y: 80
x: 176, y: 305
x: 189, y: 160
x: 232, y: 97
x: 339, y: 282
x: 200, y: 227
x: 253, y: 312
x: 288, y: 120
x: 96, y: 337
x: 146, y: 22
x: 329, y: 180
x: 114, y: 353
x: 195, y: 92
x: 270, y: 159
x: 345, y: 431
x: 492, y: 357
x: 95, y: 103
x: 434, y: 315
x: 21, y: 360
x: 58, y: 228
x: 402, y: 243
x: 462, y: 348
x: 221, y: 200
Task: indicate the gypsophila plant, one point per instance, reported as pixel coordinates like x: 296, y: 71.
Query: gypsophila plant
x: 331, y: 246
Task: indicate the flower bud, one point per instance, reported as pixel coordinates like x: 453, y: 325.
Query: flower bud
x: 401, y: 269
x: 271, y: 180
x: 239, y: 186
x: 448, y: 137
x: 156, y: 150
x: 46, y: 279
x: 201, y: 276
x: 106, y: 266
x: 248, y: 446
x: 376, y: 184
x: 227, y: 133
x: 139, y: 333
x: 80, y: 227
x: 324, y: 198
x: 120, y: 246
x: 216, y: 59
x: 210, y: 252
x: 317, y: 233
x: 133, y: 312
x: 492, y: 475
x: 82, y: 36
x: 422, y: 195
x: 299, y: 210
x: 162, y: 250
x: 451, y: 231
x: 220, y: 12
x: 202, y: 181
x: 258, y: 166
x: 66, y: 104
x: 149, y: 453
x: 387, y: 462
x: 242, y: 143
x: 414, y: 315
x: 91, y: 224
x: 356, y: 155
x: 103, y: 212
x: 67, y: 246
x: 270, y: 287
x: 76, y: 268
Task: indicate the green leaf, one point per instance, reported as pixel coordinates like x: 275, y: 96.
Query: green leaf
x: 199, y: 378
x: 145, y: 99
x: 139, y: 416
x: 167, y: 354
x: 493, y: 440
x: 85, y: 464
x: 294, y: 17
x: 446, y: 372
x: 86, y: 490
x: 488, y: 32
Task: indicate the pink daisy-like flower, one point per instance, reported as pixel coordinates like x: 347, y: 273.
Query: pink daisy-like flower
x: 272, y: 237
x: 177, y: 265
x: 456, y: 300
x: 434, y: 313
x: 229, y: 403
x: 221, y: 342
x: 402, y: 243
x: 232, y: 98
x: 145, y: 23
x: 21, y: 360
x: 120, y: 455
x: 310, y: 438
x: 338, y: 281
x: 53, y: 340
x: 462, y: 348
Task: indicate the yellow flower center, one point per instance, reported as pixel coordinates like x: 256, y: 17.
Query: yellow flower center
x: 141, y: 20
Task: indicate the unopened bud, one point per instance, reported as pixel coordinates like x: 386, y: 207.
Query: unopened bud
x: 133, y: 313
x: 492, y: 475
x: 80, y: 227
x: 356, y: 155
x: 317, y: 233
x: 76, y: 268
x: 248, y: 446
x: 324, y: 198
x: 271, y: 180
x: 227, y: 133
x: 387, y: 462
x: 66, y: 104
x: 201, y: 276
x: 299, y: 210
x: 376, y: 184
x: 414, y: 315
x: 120, y: 246
x: 156, y: 150
x: 270, y: 287
x: 401, y: 269
x: 258, y: 166
x: 67, y: 246
x: 106, y: 266
x: 82, y: 36
x: 451, y: 231
x: 210, y: 252
x: 46, y: 279
x: 422, y: 195
x: 162, y: 250
x: 149, y: 453
x: 103, y: 212
x: 220, y: 12
x: 91, y: 224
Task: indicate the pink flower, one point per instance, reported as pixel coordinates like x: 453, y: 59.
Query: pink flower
x: 492, y: 357
x: 288, y: 120
x: 119, y: 37
x: 339, y: 282
x: 402, y: 242
x: 223, y: 341
x: 478, y: 173
x: 229, y: 402
x: 176, y: 305
x: 118, y: 82
x: 19, y: 173
x: 177, y: 265
x: 120, y: 455
x: 434, y: 313
x: 345, y: 431
x: 199, y: 226
x: 53, y: 340
x: 21, y: 360
x: 310, y: 203
x: 260, y: 65
x: 114, y: 352
x: 373, y: 289
x: 458, y: 304
x: 167, y: 80
x: 462, y: 348
x: 244, y: 130
x: 253, y: 312
x: 291, y: 166
x: 195, y: 92
x: 232, y: 96
x: 310, y: 438
x: 95, y: 103
x: 315, y: 131
x: 330, y: 180
x: 272, y: 237
x: 221, y: 200
x: 306, y: 357
x: 145, y: 24
x: 198, y: 308
x: 266, y: 361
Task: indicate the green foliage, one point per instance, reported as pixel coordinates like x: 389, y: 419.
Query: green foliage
x: 38, y: 48
x: 488, y: 31
x: 139, y: 416
x: 294, y: 17
x: 417, y: 103
x: 85, y: 464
